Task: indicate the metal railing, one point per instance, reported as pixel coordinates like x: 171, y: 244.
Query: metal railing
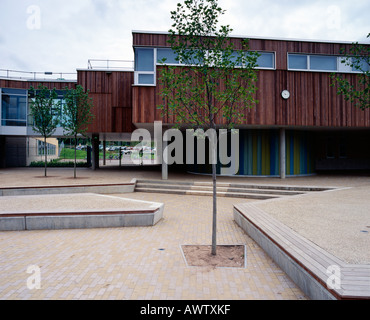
x: 100, y: 64
x: 41, y: 76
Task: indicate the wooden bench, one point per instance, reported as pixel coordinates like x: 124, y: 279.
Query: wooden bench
x: 319, y: 274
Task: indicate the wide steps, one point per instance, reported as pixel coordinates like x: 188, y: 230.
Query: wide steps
x: 205, y: 193
x: 235, y: 190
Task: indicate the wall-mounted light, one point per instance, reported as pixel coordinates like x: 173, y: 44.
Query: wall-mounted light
x: 285, y: 94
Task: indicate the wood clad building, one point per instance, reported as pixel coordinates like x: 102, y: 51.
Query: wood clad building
x: 310, y: 129
x: 320, y: 129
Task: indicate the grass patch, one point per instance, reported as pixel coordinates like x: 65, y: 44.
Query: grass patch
x: 68, y: 153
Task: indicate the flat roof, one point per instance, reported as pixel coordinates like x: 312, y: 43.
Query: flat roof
x: 265, y: 38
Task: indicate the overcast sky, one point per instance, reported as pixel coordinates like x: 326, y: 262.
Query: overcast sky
x: 61, y: 35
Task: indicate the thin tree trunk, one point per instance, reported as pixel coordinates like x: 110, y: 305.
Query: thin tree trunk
x: 46, y: 156
x: 214, y: 223
x: 74, y: 169
x: 213, y: 143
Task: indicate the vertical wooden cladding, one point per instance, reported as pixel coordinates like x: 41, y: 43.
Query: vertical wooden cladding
x: 281, y: 47
x: 313, y: 102
x: 17, y: 84
x: 146, y: 39
x: 112, y: 97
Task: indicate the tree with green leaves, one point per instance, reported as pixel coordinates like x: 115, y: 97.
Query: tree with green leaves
x: 358, y: 59
x: 77, y: 115
x: 214, y: 83
x: 45, y: 113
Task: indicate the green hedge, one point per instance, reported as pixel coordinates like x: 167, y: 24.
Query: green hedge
x: 57, y: 164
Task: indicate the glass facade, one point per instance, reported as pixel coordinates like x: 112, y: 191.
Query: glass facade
x: 14, y: 107
x: 146, y: 60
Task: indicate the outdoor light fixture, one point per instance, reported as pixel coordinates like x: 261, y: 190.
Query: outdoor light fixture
x: 48, y: 73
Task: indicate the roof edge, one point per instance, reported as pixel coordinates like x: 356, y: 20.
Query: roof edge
x: 265, y: 38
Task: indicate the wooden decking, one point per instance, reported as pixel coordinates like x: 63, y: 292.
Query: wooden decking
x: 310, y: 261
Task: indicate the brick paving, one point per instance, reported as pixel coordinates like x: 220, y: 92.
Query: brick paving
x: 140, y: 263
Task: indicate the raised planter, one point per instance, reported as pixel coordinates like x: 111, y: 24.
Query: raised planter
x: 122, y: 213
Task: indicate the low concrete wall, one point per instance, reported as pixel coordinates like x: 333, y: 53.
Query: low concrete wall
x: 306, y: 282
x: 144, y: 218
x: 102, y: 189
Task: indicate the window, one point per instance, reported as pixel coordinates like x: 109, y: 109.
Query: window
x: 266, y: 60
x: 312, y: 62
x: 317, y: 62
x: 360, y: 65
x: 168, y: 54
x: 144, y: 66
x: 298, y: 62
x: 146, y: 78
x: 144, y: 60
x: 323, y: 63
x: 14, y: 108
x: 50, y: 148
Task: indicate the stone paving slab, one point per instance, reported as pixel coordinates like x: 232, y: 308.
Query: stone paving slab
x: 140, y: 263
x: 130, y: 263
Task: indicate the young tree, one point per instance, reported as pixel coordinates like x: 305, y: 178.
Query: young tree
x: 76, y: 115
x: 45, y: 113
x: 215, y: 82
x: 359, y: 60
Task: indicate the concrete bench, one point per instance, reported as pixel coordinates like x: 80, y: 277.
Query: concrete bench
x: 320, y: 275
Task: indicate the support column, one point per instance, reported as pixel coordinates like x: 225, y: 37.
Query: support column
x: 2, y: 152
x: 95, y: 151
x: 164, y: 161
x: 104, y: 152
x: 282, y: 154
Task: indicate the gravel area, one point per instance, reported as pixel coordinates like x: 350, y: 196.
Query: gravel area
x: 337, y: 221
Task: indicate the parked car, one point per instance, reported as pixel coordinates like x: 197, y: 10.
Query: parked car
x: 126, y: 150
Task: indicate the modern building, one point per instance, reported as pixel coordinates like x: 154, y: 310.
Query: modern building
x: 299, y: 127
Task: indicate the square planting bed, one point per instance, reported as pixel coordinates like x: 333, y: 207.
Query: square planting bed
x: 76, y: 211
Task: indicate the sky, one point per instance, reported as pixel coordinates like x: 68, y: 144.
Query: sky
x: 62, y: 35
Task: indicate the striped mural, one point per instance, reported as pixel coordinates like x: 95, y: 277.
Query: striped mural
x: 259, y: 154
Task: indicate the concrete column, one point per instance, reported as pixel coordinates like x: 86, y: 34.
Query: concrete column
x: 2, y: 152
x: 104, y: 152
x: 282, y: 154
x: 164, y: 161
x: 95, y: 151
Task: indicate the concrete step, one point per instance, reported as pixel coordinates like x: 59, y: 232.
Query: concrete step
x: 237, y: 185
x: 206, y: 193
x: 219, y: 189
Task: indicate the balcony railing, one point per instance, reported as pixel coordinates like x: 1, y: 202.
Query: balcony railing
x: 121, y: 65
x: 37, y: 76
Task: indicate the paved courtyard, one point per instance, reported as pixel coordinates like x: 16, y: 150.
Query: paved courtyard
x: 142, y: 263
